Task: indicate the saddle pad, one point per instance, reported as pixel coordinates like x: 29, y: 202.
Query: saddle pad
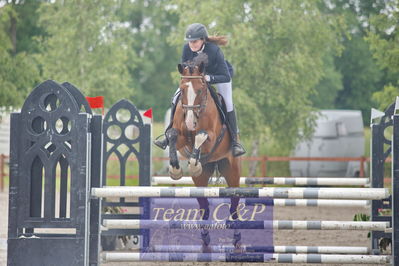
x: 220, y: 104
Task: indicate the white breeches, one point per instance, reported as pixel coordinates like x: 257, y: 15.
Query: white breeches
x: 225, y: 89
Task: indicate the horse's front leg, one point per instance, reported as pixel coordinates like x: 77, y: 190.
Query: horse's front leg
x: 195, y: 166
x: 175, y: 170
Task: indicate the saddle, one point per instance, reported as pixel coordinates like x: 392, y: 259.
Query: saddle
x: 220, y: 104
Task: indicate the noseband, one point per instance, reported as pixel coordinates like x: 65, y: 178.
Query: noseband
x: 197, y: 108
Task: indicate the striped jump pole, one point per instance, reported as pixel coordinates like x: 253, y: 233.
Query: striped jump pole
x: 321, y: 203
x: 257, y: 249
x: 249, y: 257
x: 301, y: 181
x: 269, y: 202
x: 217, y: 192
x: 213, y: 225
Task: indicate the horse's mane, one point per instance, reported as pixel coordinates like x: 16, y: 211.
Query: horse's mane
x: 201, y: 58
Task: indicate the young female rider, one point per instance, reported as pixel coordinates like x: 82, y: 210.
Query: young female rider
x: 217, y: 71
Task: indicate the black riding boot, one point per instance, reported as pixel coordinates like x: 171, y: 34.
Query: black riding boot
x: 164, y: 142
x: 238, y: 149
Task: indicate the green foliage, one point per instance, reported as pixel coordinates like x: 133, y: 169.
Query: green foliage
x: 87, y: 46
x: 277, y: 49
x: 150, y: 23
x: 329, y: 86
x: 28, y: 29
x: 383, y: 38
x: 248, y: 111
x: 18, y: 71
x: 361, y: 76
x: 286, y: 54
x: 361, y: 217
x: 386, y: 97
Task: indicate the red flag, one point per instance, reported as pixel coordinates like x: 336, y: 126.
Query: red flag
x: 96, y: 102
x: 148, y: 113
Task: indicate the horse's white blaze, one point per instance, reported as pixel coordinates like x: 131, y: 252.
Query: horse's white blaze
x: 190, y: 117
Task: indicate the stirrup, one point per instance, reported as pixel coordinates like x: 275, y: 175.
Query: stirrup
x: 161, y: 143
x: 238, y: 149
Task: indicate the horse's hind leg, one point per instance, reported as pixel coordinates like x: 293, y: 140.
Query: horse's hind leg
x: 202, y: 181
x: 175, y: 170
x: 230, y: 168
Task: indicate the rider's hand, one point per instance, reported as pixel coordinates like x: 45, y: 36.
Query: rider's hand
x: 207, y: 78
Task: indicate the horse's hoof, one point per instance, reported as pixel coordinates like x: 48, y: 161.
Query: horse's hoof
x: 206, y: 249
x: 238, y: 248
x: 195, y: 167
x: 175, y: 173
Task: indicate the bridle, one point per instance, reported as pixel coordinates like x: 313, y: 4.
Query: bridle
x: 197, y: 108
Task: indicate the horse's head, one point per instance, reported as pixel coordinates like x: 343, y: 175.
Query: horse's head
x: 193, y: 88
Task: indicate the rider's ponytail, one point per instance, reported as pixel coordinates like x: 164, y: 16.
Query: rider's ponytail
x: 219, y: 40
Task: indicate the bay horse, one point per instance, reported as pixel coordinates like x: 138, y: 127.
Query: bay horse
x: 198, y: 133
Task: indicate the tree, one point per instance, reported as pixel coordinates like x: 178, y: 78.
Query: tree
x: 383, y: 38
x: 329, y: 86
x: 87, y: 46
x: 150, y: 23
x: 361, y: 76
x: 18, y: 70
x: 277, y: 48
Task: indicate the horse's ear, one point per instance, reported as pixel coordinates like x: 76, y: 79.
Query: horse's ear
x: 201, y: 67
x: 180, y: 68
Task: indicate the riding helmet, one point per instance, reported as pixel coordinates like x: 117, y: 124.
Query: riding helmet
x: 196, y: 31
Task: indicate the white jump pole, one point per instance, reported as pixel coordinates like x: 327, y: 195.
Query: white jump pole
x: 305, y: 181
x: 272, y: 224
x: 249, y: 257
x: 270, y: 249
x: 268, y: 202
x: 216, y: 192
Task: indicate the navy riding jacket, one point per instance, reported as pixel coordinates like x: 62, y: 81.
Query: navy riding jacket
x: 219, y: 70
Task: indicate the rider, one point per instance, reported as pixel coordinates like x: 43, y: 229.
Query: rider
x: 217, y: 71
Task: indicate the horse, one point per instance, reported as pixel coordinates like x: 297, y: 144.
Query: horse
x: 199, y: 135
